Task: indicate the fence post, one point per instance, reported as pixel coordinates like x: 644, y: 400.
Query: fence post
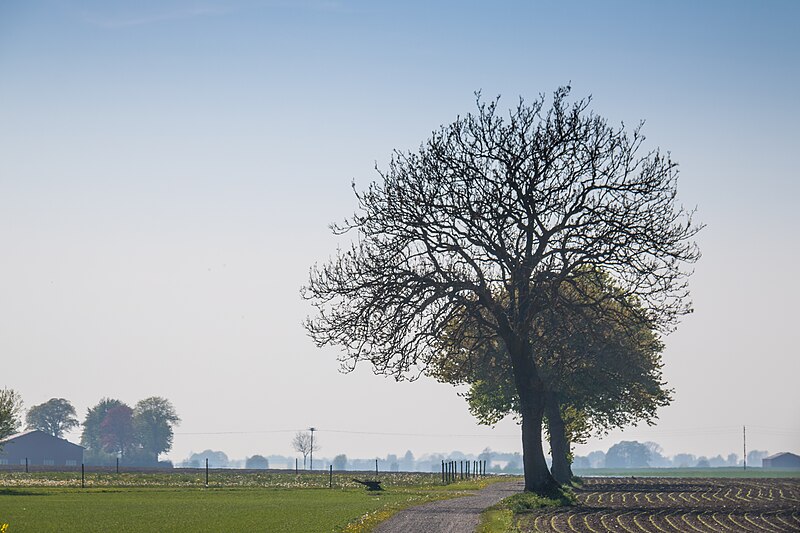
x: 442, y: 470
x: 206, y: 471
x: 26, y: 465
x: 376, y: 468
x: 295, y: 466
x: 117, y: 465
x: 83, y: 477
x: 330, y: 477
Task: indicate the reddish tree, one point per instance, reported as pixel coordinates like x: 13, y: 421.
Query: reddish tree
x: 117, y: 433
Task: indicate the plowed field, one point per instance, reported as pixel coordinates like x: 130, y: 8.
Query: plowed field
x: 681, y: 505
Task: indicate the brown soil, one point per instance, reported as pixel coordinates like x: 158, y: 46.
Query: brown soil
x: 680, y: 505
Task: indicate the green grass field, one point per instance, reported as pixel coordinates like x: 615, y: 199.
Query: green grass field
x: 234, y: 501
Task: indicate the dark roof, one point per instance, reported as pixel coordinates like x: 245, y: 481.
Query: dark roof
x: 22, y: 434
x: 781, y: 454
x: 18, y: 435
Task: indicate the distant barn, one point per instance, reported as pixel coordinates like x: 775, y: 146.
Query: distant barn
x: 782, y: 460
x: 39, y: 449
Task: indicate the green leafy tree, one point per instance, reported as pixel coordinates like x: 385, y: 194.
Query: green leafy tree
x: 10, y: 412
x: 601, y: 363
x: 153, y: 419
x: 91, y: 434
x: 628, y: 454
x: 487, y: 211
x: 257, y: 462
x: 56, y: 416
x: 340, y: 462
x: 216, y: 459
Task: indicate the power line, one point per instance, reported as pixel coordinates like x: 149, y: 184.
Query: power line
x: 678, y: 432
x: 252, y: 432
x: 378, y: 433
x: 389, y: 434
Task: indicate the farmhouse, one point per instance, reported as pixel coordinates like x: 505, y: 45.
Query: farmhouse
x: 781, y: 460
x: 39, y: 449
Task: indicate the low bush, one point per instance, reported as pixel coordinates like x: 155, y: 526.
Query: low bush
x: 528, y: 501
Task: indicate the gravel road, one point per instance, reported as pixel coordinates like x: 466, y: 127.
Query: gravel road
x: 458, y: 515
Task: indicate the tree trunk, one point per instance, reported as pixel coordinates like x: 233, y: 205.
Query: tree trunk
x: 531, y: 401
x: 559, y: 444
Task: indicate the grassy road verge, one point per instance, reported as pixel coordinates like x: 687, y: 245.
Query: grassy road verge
x: 501, y: 518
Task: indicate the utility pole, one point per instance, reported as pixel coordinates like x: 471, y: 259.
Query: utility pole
x: 744, y: 445
x: 312, y: 430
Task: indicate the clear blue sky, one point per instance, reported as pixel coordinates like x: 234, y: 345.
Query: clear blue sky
x: 168, y: 170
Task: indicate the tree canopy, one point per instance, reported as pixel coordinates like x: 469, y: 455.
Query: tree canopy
x: 117, y: 433
x: 601, y: 363
x: 138, y: 435
x: 153, y: 419
x: 340, y: 462
x: 90, y: 436
x: 257, y: 462
x: 628, y: 454
x: 10, y: 412
x: 56, y: 416
x: 490, y: 214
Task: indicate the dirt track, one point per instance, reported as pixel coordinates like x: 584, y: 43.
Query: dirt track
x: 459, y: 515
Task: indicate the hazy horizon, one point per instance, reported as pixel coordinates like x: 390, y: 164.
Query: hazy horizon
x: 168, y: 172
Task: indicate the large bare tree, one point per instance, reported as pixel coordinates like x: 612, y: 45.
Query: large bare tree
x: 511, y: 205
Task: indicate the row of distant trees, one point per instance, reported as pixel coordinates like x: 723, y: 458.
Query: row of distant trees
x: 112, y: 430
x: 634, y: 454
x: 391, y: 462
x: 219, y: 459
x: 625, y: 454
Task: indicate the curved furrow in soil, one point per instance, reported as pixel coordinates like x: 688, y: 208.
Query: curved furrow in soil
x: 791, y: 521
x: 722, y: 521
x: 657, y: 521
x: 708, y: 523
x: 624, y: 520
x: 641, y: 522
x: 757, y: 523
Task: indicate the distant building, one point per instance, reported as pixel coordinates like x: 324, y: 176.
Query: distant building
x: 781, y: 460
x: 39, y: 449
